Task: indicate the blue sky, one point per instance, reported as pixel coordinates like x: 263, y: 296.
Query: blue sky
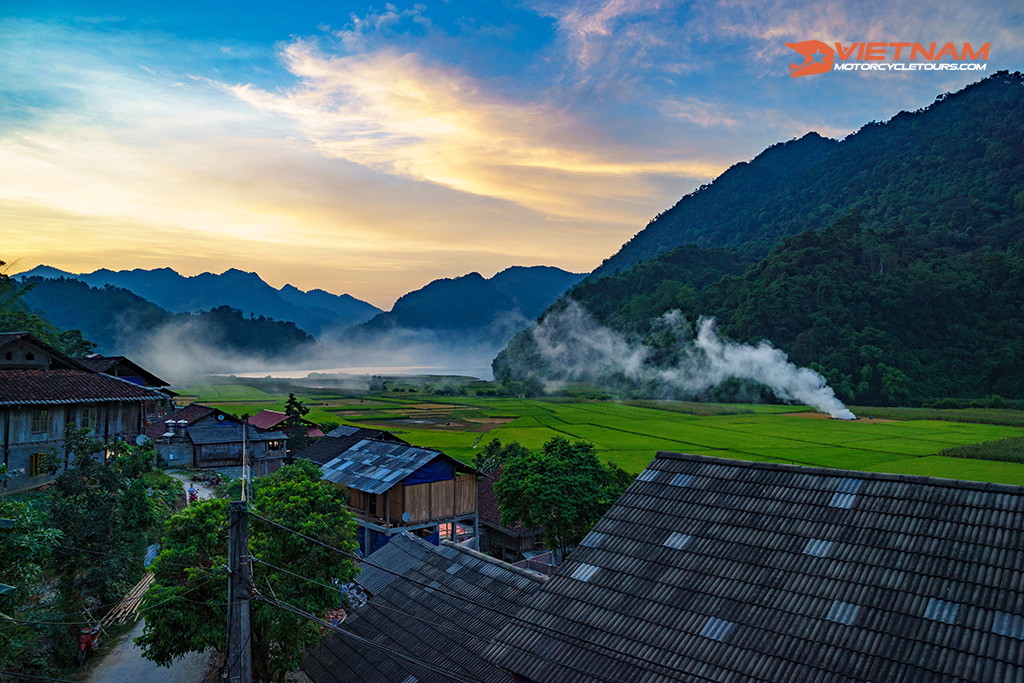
x: 370, y: 148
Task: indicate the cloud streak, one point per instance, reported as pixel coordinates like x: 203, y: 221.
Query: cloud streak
x: 393, y: 112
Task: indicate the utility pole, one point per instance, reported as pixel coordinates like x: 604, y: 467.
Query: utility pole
x: 239, y: 591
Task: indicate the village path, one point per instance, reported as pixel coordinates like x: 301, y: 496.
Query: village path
x: 125, y: 663
x: 185, y: 478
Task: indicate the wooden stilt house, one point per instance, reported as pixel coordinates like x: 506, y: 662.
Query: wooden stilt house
x: 396, y: 487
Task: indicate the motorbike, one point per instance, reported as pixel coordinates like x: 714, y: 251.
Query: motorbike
x: 88, y: 641
x: 193, y: 496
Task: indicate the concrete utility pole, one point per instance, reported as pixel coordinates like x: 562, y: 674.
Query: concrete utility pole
x: 239, y: 591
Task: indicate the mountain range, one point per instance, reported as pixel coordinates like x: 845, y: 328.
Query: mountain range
x: 314, y: 311
x: 486, y: 309
x: 891, y: 261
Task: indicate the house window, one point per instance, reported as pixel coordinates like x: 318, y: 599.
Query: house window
x: 39, y: 421
x: 87, y: 418
x: 36, y: 464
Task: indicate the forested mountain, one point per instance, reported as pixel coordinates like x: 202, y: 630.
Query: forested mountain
x: 473, y: 306
x: 955, y: 165
x: 313, y: 311
x: 902, y: 276
x: 121, y: 322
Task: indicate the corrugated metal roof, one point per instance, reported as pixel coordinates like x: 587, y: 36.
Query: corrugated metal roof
x: 432, y: 625
x: 229, y: 433
x: 917, y: 579
x: 394, y: 559
x: 376, y: 466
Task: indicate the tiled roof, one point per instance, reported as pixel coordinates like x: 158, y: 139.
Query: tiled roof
x: 55, y: 387
x: 426, y: 615
x: 229, y: 433
x: 266, y: 419
x: 713, y: 569
x: 340, y: 440
x: 397, y: 557
x: 105, y: 364
x: 376, y: 466
x: 190, y: 414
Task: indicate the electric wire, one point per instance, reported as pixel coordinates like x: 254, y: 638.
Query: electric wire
x: 378, y: 605
x: 28, y: 622
x: 559, y: 635
x: 36, y: 678
x: 365, y: 641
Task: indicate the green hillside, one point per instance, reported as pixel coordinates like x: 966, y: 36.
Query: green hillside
x: 902, y: 282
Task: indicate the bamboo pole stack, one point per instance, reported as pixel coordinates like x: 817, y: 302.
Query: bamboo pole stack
x: 129, y: 607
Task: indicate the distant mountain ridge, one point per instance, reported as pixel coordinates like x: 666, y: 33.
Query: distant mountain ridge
x: 118, y: 321
x: 485, y: 308
x: 314, y: 311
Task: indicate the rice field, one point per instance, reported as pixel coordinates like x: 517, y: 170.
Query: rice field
x: 630, y: 435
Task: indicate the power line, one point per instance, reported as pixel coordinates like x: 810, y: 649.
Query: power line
x: 587, y: 645
x: 366, y: 641
x: 19, y: 622
x: 35, y: 678
x: 378, y: 605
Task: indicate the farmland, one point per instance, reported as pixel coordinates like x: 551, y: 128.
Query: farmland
x: 630, y: 435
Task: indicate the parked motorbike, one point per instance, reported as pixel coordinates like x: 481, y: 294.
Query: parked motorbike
x: 88, y: 641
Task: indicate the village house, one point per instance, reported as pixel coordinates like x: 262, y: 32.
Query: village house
x: 510, y: 543
x: 395, y: 487
x: 274, y: 420
x: 206, y: 437
x: 126, y: 369
x: 711, y: 569
x: 42, y: 391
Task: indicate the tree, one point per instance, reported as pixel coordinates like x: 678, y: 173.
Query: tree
x: 295, y: 426
x: 564, y: 489
x: 495, y: 454
x: 192, y: 564
x: 377, y: 384
x: 24, y: 551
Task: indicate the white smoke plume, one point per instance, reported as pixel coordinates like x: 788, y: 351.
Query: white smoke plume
x: 574, y: 347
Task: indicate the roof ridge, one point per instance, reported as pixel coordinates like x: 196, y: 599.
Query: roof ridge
x: 539, y: 578
x: 844, y: 473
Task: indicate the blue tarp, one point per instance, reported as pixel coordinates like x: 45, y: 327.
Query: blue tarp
x: 371, y: 541
x: 438, y: 470
x: 434, y: 538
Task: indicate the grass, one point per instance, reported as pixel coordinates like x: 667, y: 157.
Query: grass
x: 1006, y: 450
x: 923, y: 441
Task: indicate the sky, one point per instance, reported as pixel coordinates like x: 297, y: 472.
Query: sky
x: 369, y: 148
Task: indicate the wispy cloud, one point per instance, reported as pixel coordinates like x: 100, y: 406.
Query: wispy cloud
x: 395, y: 113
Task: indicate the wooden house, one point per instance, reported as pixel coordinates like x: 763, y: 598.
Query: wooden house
x: 42, y: 391
x: 205, y: 437
x: 126, y: 369
x: 273, y: 419
x: 395, y: 487
x: 509, y: 543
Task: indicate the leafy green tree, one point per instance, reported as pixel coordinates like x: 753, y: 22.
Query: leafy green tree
x: 295, y: 426
x: 24, y: 551
x: 563, y: 489
x: 494, y: 455
x: 186, y: 605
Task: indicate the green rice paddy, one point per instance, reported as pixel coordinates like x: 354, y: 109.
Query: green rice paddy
x: 630, y: 435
